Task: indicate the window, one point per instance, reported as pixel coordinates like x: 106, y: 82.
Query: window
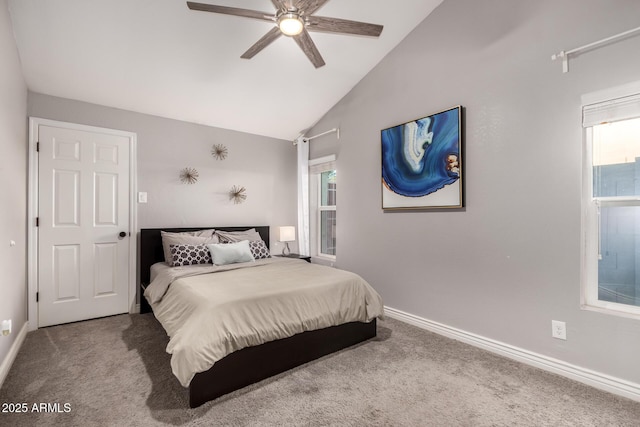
x: 611, y: 199
x: 323, y: 178
x: 327, y: 214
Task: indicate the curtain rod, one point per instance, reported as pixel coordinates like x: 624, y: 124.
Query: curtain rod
x: 565, y: 54
x: 309, y: 138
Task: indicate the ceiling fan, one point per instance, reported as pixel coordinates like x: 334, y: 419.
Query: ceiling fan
x: 294, y: 18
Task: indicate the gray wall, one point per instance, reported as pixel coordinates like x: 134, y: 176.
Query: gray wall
x: 266, y: 167
x: 13, y: 176
x: 508, y: 263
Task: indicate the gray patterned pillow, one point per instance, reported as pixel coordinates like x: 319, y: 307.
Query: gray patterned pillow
x: 259, y: 249
x: 237, y: 236
x: 201, y: 237
x: 189, y: 254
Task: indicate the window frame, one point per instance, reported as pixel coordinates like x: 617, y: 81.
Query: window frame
x: 316, y: 167
x: 591, y: 206
x: 323, y: 208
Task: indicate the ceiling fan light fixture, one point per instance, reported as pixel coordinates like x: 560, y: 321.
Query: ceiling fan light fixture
x: 290, y: 24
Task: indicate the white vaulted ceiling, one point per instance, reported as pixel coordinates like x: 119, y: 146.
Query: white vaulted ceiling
x: 158, y: 57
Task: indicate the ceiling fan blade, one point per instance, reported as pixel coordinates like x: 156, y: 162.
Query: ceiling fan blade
x: 264, y: 16
x: 344, y: 26
x: 265, y: 41
x: 309, y: 48
x: 310, y: 6
x: 282, y: 4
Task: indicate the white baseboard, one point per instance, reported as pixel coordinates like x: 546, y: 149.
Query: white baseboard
x: 13, y: 352
x: 586, y: 376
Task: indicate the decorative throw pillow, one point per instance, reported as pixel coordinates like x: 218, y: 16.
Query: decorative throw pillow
x: 189, y: 255
x: 230, y: 253
x: 209, y: 232
x: 259, y: 249
x: 237, y: 236
x: 186, y: 238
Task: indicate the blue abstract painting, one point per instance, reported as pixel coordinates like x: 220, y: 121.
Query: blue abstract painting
x: 421, y: 163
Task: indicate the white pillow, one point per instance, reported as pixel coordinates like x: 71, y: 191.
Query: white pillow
x: 230, y: 253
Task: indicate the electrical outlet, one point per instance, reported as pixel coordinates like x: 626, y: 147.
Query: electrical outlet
x: 559, y: 329
x: 6, y: 327
x: 142, y: 197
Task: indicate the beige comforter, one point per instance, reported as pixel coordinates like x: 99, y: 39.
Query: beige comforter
x: 208, y: 316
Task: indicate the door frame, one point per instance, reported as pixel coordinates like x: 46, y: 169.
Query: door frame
x: 32, y: 210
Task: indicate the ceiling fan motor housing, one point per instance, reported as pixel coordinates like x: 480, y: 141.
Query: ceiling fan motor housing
x: 290, y: 22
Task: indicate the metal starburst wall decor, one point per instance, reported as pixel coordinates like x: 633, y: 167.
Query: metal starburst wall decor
x: 219, y: 151
x: 189, y: 175
x: 238, y: 194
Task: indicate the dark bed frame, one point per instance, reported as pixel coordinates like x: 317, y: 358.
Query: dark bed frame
x: 252, y: 364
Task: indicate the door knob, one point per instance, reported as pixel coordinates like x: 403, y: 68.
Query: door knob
x: 122, y: 235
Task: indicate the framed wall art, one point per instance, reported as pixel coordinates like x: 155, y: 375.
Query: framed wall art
x: 422, y: 163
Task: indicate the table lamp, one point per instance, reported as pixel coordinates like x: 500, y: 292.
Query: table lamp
x: 287, y: 234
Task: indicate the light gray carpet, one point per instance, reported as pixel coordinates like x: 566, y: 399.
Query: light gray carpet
x: 115, y: 372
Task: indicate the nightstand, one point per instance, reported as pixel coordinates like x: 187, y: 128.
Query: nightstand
x: 296, y: 256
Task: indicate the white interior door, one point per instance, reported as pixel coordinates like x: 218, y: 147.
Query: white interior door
x: 83, y: 232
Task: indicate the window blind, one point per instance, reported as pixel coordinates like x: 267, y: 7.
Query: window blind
x: 322, y: 164
x: 624, y: 108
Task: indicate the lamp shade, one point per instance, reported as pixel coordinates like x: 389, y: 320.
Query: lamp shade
x: 287, y: 233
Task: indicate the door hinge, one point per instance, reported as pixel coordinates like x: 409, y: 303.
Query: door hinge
x: 37, y: 221
x: 37, y: 296
x: 37, y: 146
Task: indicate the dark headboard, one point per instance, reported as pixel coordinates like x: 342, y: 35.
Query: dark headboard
x: 151, y: 244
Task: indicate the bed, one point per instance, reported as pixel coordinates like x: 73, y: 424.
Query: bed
x: 252, y: 363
